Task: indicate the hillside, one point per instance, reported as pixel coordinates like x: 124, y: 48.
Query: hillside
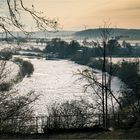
x: 130, y: 34
x: 122, y: 33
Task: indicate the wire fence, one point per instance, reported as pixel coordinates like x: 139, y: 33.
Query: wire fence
x: 41, y: 124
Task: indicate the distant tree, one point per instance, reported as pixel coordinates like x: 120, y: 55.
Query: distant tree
x: 129, y: 73
x: 21, y: 40
x: 57, y: 46
x: 37, y: 41
x: 5, y: 54
x: 26, y: 68
x: 129, y: 70
x: 113, y: 47
x: 42, y: 41
x: 73, y: 47
x: 85, y: 54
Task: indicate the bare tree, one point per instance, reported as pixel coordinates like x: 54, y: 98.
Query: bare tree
x: 12, y: 19
x: 12, y: 104
x: 73, y: 114
x: 105, y: 35
x: 102, y: 88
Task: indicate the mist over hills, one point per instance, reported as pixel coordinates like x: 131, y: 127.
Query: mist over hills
x: 130, y: 34
x: 43, y: 34
x: 122, y: 33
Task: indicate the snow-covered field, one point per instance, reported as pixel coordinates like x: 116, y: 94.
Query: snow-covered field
x: 10, y: 70
x: 24, y: 46
x: 116, y: 60
x: 55, y: 81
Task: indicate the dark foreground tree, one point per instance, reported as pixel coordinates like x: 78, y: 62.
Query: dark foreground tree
x: 16, y: 109
x: 101, y: 88
x: 11, y: 18
x: 129, y: 73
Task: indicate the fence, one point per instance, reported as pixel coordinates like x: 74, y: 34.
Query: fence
x: 73, y: 121
x: 21, y: 125
x: 39, y: 123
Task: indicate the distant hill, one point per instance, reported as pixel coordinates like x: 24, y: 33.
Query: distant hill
x: 47, y: 34
x: 122, y: 33
x: 53, y: 34
x: 130, y: 34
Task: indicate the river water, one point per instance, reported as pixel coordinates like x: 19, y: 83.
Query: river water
x: 56, y: 81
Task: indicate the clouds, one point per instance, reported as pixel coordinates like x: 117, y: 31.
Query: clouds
x: 75, y: 13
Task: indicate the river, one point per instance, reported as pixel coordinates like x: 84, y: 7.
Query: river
x: 56, y: 81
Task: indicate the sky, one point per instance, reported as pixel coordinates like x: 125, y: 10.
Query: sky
x: 81, y: 14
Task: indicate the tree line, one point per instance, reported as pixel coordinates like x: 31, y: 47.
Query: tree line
x: 81, y: 53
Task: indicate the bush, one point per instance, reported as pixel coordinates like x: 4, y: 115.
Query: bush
x: 5, y: 55
x: 26, y: 68
x: 15, y: 109
x: 74, y: 114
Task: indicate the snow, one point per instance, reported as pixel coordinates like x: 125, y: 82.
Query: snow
x: 10, y: 71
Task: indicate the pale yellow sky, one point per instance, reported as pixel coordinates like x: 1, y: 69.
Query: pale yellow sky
x: 74, y: 14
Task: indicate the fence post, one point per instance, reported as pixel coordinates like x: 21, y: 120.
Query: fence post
x: 109, y: 123
x: 67, y: 121
x: 118, y: 118
x: 59, y: 121
x: 99, y: 119
x: 36, y: 124
x: 82, y: 121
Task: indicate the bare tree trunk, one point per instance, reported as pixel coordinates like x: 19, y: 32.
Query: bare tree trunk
x: 104, y: 83
x: 103, y: 100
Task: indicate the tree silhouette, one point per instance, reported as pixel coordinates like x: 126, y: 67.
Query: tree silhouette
x: 12, y: 17
x: 12, y: 104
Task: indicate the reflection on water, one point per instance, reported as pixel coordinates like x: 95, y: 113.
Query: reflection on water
x: 55, y: 81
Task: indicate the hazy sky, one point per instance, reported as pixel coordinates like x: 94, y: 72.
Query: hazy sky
x: 74, y: 14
